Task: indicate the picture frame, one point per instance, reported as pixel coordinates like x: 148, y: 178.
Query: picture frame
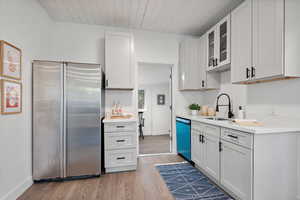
x: 11, y: 97
x: 10, y: 61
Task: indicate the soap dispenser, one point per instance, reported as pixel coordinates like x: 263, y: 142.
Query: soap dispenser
x: 241, y: 113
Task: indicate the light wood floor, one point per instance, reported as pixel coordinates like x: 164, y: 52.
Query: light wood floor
x: 154, y: 144
x: 143, y: 184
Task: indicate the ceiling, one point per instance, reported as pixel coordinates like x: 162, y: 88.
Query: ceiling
x: 191, y: 17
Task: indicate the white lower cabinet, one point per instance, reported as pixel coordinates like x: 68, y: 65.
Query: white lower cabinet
x: 205, y: 148
x: 196, y: 147
x: 249, y: 166
x: 212, y: 155
x: 236, y: 173
x: 120, y: 142
x: 225, y: 156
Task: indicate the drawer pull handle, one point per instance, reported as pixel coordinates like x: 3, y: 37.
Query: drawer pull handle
x: 233, y: 136
x: 120, y: 126
x: 120, y: 158
x: 120, y: 140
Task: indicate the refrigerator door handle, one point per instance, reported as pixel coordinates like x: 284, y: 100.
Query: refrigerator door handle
x: 64, y: 147
x: 62, y: 126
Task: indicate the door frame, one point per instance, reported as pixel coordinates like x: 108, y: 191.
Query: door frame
x: 173, y: 115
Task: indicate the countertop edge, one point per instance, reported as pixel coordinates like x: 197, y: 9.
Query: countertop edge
x: 105, y: 120
x: 247, y: 129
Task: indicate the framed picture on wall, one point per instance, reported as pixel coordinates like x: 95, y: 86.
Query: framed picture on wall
x: 10, y: 61
x: 11, y: 97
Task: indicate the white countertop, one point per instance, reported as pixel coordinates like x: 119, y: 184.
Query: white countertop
x: 119, y: 120
x: 270, y: 125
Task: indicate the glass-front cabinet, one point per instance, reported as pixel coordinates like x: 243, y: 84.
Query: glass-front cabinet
x: 224, y: 41
x: 219, y: 45
x: 211, y: 48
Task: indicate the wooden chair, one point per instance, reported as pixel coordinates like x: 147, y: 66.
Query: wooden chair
x: 141, y: 124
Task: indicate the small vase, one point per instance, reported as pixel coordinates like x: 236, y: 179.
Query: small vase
x: 194, y: 112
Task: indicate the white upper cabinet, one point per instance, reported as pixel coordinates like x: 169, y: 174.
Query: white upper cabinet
x: 189, y: 65
x: 209, y: 80
x: 268, y: 27
x: 211, y: 48
x: 241, y: 47
x: 192, y: 66
x: 224, y: 46
x: 269, y: 30
x: 119, y: 70
x: 219, y: 45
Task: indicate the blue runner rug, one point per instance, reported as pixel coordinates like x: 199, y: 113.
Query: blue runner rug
x: 186, y: 182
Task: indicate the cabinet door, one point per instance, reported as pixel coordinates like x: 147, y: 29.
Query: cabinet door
x: 211, y: 48
x: 236, y: 171
x: 212, y: 155
x: 118, y: 61
x: 241, y: 34
x: 189, y: 65
x: 268, y: 27
x: 196, y: 147
x: 223, y: 41
x: 194, y: 69
x: 203, y: 61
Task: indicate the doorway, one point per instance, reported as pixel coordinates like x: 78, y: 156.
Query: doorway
x: 155, y: 108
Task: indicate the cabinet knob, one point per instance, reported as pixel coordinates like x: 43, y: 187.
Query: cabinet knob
x: 202, y: 83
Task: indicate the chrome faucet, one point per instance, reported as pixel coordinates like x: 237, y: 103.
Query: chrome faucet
x: 230, y: 114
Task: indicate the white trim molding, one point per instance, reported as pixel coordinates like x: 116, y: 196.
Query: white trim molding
x: 18, y: 190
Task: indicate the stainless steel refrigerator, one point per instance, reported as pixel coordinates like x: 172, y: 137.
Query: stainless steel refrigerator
x: 67, y: 111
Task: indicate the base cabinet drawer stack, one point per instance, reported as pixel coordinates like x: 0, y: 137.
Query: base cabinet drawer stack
x: 120, y: 142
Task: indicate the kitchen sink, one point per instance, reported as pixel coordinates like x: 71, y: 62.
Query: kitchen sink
x: 217, y: 119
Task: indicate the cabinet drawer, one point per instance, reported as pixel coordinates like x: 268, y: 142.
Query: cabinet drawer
x: 197, y: 126
x: 121, y: 140
x: 206, y: 128
x: 119, y: 158
x: 237, y: 137
x: 212, y: 130
x: 120, y: 127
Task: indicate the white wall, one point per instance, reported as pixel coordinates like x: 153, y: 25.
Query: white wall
x: 237, y: 93
x: 26, y: 25
x: 154, y: 79
x: 275, y: 99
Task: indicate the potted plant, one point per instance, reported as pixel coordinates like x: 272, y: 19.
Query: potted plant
x: 194, y: 108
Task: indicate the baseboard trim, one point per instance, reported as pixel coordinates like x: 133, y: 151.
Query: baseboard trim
x: 18, y: 190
